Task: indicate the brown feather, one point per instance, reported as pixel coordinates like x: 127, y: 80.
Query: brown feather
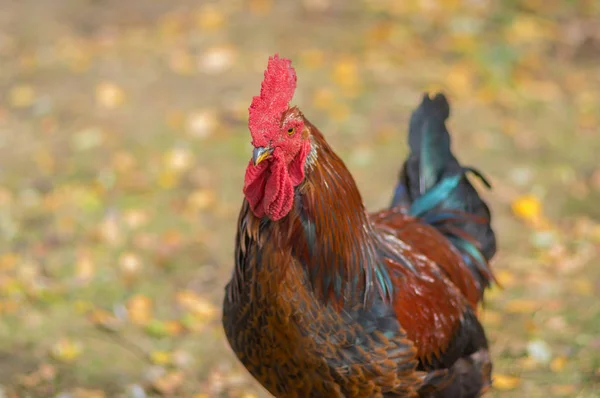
x: 290, y: 312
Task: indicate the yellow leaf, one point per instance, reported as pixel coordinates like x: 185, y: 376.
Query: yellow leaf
x: 82, y: 307
x: 21, y: 96
x: 140, y: 309
x: 494, y: 291
x: 161, y: 357
x: 109, y: 95
x: 460, y: 79
x: 202, y: 199
x: 527, y: 208
x: 505, y: 278
x: 201, y: 123
x: 178, y: 159
x: 217, y: 59
x: 130, y: 264
x: 84, y: 269
x: 196, y: 304
x: 135, y: 218
x: 521, y: 306
x: 173, y: 328
x: 380, y: 33
x: 66, y: 350
x: 525, y: 28
x: 558, y: 364
x: 505, y: 382
x: 167, y: 179
x: 210, y: 17
x: 104, y: 319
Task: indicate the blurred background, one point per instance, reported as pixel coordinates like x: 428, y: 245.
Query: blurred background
x: 123, y: 144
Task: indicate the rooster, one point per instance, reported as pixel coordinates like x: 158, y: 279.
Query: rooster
x: 327, y: 300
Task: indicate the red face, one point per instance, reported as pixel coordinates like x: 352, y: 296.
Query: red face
x: 285, y: 142
x: 277, y: 166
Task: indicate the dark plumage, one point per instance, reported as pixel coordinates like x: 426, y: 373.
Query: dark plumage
x: 327, y: 300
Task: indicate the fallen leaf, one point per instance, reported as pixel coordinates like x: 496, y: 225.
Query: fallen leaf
x: 460, y: 79
x: 558, y: 364
x: 216, y: 60
x: 109, y: 95
x: 505, y: 278
x: 505, y: 382
x: 179, y: 159
x: 66, y: 350
x: 210, y: 17
x: 105, y: 319
x: 202, y: 199
x: 196, y: 304
x: 140, y: 310
x: 173, y: 328
x: 131, y: 266
x: 135, y: 218
x: 84, y: 268
x: 201, y: 123
x: 161, y: 357
x: 527, y: 208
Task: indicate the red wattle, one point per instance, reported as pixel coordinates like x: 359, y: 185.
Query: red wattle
x: 269, y: 186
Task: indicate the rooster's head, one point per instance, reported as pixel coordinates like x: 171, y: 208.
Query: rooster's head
x: 281, y: 143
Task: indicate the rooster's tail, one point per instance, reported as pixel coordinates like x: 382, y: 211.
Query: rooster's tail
x: 435, y: 187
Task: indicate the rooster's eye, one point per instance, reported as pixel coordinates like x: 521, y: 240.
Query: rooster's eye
x: 291, y: 131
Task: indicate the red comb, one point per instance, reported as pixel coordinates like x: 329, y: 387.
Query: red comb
x: 276, y: 92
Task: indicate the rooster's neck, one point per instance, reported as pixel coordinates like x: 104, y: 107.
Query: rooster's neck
x: 331, y: 233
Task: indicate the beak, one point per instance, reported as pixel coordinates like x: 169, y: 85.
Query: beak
x: 259, y: 154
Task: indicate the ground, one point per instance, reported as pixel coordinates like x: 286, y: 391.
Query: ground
x: 123, y: 143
